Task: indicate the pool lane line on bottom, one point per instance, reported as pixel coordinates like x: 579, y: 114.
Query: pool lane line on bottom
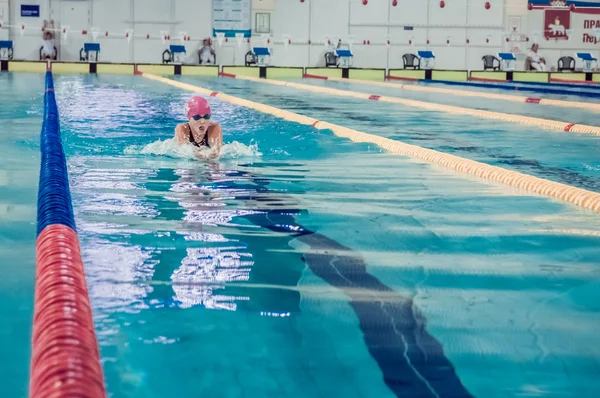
x: 455, y: 110
x: 465, y: 93
x: 394, y: 330
x: 530, y: 184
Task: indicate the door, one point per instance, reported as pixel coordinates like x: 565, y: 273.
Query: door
x: 76, y: 15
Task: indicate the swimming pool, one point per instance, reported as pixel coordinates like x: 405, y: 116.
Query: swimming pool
x: 302, y: 264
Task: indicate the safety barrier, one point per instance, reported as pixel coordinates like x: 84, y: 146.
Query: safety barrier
x: 65, y: 358
x: 465, y: 93
x: 526, y: 120
x: 533, y: 185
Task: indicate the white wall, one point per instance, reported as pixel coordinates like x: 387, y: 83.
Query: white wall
x: 4, y: 16
x: 315, y: 20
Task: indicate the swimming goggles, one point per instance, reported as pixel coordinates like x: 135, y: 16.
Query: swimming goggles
x: 198, y: 117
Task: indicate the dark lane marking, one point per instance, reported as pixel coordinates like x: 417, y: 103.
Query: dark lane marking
x: 412, y: 361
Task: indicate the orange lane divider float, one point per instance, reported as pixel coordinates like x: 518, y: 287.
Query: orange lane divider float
x: 533, y: 185
x: 532, y: 121
x: 478, y: 94
x: 473, y: 79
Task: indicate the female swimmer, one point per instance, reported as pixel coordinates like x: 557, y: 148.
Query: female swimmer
x: 200, y: 131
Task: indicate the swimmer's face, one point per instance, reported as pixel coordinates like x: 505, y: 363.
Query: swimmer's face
x: 201, y: 124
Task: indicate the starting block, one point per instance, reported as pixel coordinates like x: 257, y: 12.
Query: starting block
x: 89, y: 52
x: 173, y: 54
x: 6, y: 49
x: 508, y: 61
x: 345, y: 58
x: 263, y: 56
x: 589, y: 62
x: 427, y: 59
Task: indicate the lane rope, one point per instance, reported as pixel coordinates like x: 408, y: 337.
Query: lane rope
x: 465, y: 93
x: 530, y: 184
x: 65, y: 360
x: 525, y: 120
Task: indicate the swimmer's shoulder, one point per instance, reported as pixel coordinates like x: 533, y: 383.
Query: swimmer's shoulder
x: 215, y: 129
x: 182, y: 130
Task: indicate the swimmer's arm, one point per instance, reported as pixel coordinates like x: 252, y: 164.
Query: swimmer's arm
x: 181, y: 133
x: 215, y: 140
x: 215, y: 137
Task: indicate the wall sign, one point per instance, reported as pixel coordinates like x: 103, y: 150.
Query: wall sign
x: 262, y: 24
x: 231, y: 17
x: 30, y: 10
x: 557, y: 22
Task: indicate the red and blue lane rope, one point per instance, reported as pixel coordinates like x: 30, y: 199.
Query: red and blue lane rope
x: 65, y: 358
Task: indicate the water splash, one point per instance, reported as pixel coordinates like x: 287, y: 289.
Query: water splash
x: 171, y: 148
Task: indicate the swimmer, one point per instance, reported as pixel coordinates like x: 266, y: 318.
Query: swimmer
x: 199, y: 130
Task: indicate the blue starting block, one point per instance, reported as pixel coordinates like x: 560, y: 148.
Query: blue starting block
x: 263, y: 56
x: 427, y: 59
x: 89, y: 52
x: 6, y: 49
x: 589, y: 61
x: 345, y: 58
x: 174, y: 53
x: 507, y: 61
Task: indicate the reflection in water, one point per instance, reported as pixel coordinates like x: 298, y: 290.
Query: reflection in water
x: 210, y: 266
x: 203, y: 271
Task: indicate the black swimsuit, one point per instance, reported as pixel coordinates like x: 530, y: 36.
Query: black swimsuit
x: 202, y: 143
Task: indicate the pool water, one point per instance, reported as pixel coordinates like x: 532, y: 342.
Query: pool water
x: 21, y: 101
x: 564, y: 157
x: 301, y: 264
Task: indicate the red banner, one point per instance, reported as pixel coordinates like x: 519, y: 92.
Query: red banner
x: 556, y: 23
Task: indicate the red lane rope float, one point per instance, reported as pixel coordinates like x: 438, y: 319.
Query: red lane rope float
x: 410, y: 79
x: 483, y: 79
x: 309, y: 76
x: 65, y: 359
x: 555, y: 80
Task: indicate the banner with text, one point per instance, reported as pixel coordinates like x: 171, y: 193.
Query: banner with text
x: 231, y: 17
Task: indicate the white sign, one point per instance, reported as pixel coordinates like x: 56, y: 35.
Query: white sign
x: 231, y: 17
x: 515, y: 24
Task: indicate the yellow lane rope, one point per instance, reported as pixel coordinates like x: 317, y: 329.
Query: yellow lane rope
x: 465, y: 93
x: 533, y: 185
x: 527, y: 120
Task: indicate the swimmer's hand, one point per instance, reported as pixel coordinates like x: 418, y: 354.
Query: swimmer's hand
x: 207, y: 154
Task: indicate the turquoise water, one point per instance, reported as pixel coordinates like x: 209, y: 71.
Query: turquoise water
x: 301, y: 264
x: 21, y: 100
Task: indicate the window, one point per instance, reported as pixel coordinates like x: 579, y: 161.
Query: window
x: 262, y: 22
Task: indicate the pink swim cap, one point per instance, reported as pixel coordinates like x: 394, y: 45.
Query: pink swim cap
x: 197, y: 106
